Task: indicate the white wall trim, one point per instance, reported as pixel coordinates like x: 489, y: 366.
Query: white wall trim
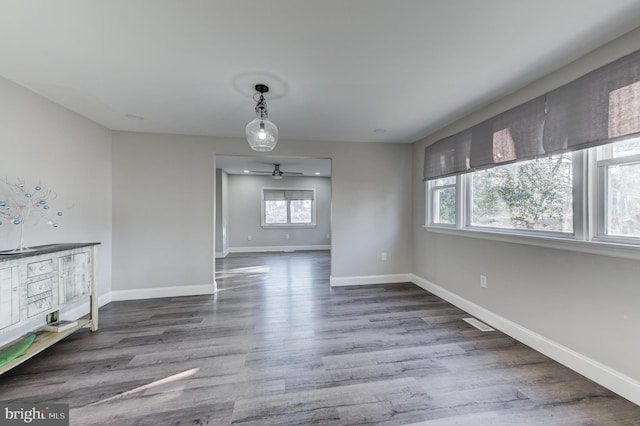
x: 370, y: 279
x: 104, y: 299
x: 82, y: 309
x: 156, y: 292
x: 262, y: 249
x: 611, y: 379
x: 223, y: 254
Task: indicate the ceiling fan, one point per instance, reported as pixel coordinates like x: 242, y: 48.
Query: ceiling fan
x: 277, y: 173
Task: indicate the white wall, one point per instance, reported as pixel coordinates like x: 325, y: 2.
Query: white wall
x: 587, y: 303
x: 222, y: 213
x: 164, y: 209
x: 163, y: 215
x: 225, y: 211
x: 44, y: 142
x: 245, y: 212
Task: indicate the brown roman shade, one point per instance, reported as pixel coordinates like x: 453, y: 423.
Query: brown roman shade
x: 598, y: 108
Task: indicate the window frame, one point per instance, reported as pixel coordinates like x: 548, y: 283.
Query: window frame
x: 263, y: 219
x: 576, y: 166
x: 601, y: 165
x: 589, y: 196
x: 432, y: 205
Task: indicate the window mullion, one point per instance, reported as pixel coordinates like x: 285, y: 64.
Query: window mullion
x: 591, y: 213
x: 435, y: 201
x: 601, y: 200
x: 580, y: 196
x: 428, y: 196
x: 461, y: 204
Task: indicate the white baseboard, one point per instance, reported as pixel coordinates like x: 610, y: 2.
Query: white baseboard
x: 609, y: 378
x: 157, y: 292
x: 82, y: 309
x: 104, y: 299
x: 222, y: 254
x: 370, y: 279
x: 262, y: 249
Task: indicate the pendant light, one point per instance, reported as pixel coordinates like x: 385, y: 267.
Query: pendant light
x: 261, y: 133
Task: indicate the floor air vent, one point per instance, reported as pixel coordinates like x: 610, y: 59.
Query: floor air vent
x: 478, y: 324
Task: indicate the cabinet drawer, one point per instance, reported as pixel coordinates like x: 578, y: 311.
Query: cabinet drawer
x: 39, y: 268
x: 40, y: 305
x: 39, y: 287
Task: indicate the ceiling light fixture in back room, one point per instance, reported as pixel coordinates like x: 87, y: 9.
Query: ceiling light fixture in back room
x: 262, y: 134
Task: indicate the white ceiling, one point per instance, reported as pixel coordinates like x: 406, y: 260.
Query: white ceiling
x: 339, y: 69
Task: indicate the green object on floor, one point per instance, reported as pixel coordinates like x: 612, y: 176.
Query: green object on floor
x: 17, y: 349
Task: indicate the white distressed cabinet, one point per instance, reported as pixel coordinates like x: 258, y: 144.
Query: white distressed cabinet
x: 54, y: 278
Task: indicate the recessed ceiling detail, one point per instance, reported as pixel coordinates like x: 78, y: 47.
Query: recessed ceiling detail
x: 246, y: 82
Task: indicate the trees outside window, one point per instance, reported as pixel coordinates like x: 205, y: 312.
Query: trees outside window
x: 532, y: 195
x: 443, y: 195
x: 618, y: 200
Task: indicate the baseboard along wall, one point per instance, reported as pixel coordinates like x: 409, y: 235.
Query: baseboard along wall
x: 369, y: 279
x: 158, y: 292
x: 222, y: 254
x: 611, y: 379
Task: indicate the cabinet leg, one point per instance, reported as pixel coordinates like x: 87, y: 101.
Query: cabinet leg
x: 94, y: 291
x: 93, y: 316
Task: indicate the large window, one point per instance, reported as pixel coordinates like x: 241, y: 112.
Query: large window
x: 586, y: 195
x: 560, y: 170
x: 288, y: 207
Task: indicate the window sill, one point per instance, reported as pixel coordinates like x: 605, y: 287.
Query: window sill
x: 603, y: 248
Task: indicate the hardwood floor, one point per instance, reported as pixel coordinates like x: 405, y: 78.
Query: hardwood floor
x: 278, y: 346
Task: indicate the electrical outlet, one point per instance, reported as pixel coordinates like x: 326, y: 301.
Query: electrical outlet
x: 248, y: 237
x: 383, y: 256
x: 286, y: 236
x: 483, y: 281
x: 328, y: 236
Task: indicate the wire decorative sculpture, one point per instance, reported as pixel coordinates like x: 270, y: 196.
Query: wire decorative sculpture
x: 19, y: 202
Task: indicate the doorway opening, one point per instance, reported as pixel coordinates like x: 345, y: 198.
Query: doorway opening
x: 269, y: 204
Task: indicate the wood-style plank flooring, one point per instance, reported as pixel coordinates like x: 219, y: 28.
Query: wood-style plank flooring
x: 278, y: 346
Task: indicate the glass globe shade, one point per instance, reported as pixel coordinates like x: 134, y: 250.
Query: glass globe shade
x: 262, y: 135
